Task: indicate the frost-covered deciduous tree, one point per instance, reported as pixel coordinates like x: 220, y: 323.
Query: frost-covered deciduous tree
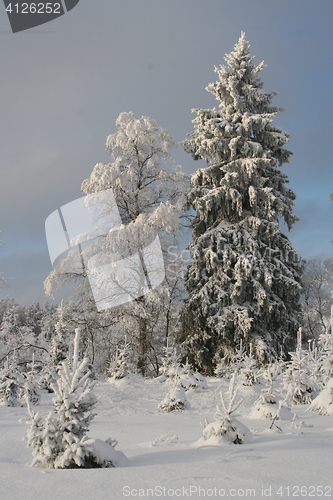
x: 21, y: 334
x: 317, y: 280
x: 244, y: 279
x: 150, y: 201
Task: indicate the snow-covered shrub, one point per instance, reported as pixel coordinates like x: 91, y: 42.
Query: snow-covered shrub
x: 283, y: 413
x: 226, y: 429
x: 323, y: 403
x: 174, y: 400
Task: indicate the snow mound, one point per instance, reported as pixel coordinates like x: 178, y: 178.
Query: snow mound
x: 229, y: 430
x: 104, y: 454
x: 192, y: 381
x: 323, y: 403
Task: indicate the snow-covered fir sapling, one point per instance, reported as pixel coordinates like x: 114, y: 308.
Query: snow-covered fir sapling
x: 248, y: 371
x: 175, y: 399
x: 47, y: 377
x: 298, y: 385
x: 59, y: 346
x: 326, y: 357
x: 226, y: 429
x: 191, y: 379
x: 31, y: 389
x: 170, y: 367
x: 270, y: 404
x: 11, y: 385
x: 222, y: 369
x: 323, y: 403
x: 272, y: 372
x: 62, y: 442
x: 119, y: 366
x: 238, y: 358
x: 315, y: 363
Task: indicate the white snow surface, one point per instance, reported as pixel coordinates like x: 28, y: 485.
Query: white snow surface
x: 163, y: 460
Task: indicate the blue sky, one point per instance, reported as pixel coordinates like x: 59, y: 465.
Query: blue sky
x: 63, y: 85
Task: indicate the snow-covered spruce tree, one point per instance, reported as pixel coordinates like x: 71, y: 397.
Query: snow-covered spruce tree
x: 74, y: 402
x: 244, y: 279
x: 61, y: 441
x: 59, y: 343
x: 316, y: 300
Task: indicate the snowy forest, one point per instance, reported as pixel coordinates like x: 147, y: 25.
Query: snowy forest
x: 238, y: 306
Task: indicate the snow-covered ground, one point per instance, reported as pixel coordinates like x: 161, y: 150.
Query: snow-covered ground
x: 165, y: 462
